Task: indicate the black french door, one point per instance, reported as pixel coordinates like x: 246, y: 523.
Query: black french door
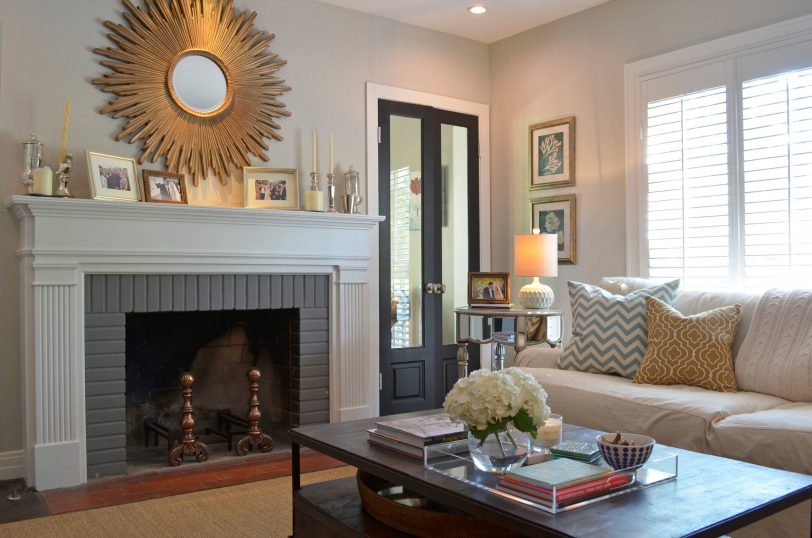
x: 429, y: 192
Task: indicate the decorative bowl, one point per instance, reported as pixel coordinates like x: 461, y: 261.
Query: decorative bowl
x: 626, y: 457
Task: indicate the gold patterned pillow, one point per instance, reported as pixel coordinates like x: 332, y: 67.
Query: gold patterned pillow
x: 693, y: 350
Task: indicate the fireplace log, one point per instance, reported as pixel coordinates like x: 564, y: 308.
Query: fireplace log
x: 189, y: 445
x: 255, y: 437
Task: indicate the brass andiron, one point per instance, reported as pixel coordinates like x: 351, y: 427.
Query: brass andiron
x: 189, y: 445
x: 255, y: 437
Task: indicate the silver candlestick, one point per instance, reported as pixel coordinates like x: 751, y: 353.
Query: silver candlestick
x: 331, y: 194
x: 63, y: 176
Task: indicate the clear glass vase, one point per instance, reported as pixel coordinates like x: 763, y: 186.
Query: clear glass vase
x: 500, y: 452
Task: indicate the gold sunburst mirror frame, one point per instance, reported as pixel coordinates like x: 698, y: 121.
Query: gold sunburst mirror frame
x: 240, y: 106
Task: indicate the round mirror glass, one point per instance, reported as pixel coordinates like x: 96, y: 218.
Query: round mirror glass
x: 199, y: 83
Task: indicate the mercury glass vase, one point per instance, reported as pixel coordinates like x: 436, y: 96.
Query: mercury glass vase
x: 501, y: 451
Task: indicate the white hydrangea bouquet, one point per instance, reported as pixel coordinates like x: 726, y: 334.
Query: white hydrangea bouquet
x: 488, y: 401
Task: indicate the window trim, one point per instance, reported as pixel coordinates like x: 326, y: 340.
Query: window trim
x: 637, y: 74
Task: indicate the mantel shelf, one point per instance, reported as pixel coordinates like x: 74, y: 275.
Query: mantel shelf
x: 85, y: 208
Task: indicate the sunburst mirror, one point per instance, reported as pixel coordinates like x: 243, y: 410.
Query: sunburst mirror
x: 196, y: 84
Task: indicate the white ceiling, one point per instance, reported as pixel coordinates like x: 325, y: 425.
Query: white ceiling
x: 503, y: 19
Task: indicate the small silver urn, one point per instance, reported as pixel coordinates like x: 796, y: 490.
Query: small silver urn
x: 32, y: 159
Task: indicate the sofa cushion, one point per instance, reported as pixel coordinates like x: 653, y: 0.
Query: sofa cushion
x: 674, y: 415
x: 689, y: 350
x: 776, y: 356
x: 609, y: 331
x: 780, y: 437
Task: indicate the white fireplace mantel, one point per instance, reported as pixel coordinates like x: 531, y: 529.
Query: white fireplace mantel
x: 62, y: 240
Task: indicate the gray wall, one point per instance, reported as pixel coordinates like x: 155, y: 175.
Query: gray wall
x: 575, y: 66
x: 331, y: 53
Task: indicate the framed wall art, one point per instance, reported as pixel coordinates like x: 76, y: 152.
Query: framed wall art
x: 489, y: 289
x: 112, y: 177
x: 164, y: 187
x: 556, y: 215
x: 552, y: 154
x: 272, y: 188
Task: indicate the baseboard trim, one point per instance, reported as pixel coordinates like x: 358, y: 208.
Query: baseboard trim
x: 12, y: 464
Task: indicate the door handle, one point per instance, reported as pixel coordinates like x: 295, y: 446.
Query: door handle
x: 435, y: 287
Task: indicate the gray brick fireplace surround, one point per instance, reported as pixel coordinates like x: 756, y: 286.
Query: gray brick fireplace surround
x: 108, y: 298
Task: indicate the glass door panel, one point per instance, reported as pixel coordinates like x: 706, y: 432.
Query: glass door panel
x: 454, y: 209
x: 406, y: 232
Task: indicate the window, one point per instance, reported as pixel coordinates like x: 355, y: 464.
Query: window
x: 719, y: 143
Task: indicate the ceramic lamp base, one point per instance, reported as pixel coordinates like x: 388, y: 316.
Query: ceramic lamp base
x: 536, y: 295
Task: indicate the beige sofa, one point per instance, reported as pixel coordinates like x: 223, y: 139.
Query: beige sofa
x: 746, y: 425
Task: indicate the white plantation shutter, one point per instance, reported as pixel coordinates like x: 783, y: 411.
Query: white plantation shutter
x: 777, y: 164
x: 687, y: 215
x: 401, y: 282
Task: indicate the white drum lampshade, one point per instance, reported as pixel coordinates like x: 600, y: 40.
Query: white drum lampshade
x: 536, y: 255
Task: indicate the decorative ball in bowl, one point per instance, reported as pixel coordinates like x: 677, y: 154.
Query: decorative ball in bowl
x: 625, y: 450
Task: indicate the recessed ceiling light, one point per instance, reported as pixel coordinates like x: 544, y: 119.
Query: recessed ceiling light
x: 477, y: 10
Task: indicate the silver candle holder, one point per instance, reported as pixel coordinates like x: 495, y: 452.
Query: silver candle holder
x: 331, y: 193
x: 32, y: 159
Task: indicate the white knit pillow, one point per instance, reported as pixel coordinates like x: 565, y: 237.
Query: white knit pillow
x: 776, y: 355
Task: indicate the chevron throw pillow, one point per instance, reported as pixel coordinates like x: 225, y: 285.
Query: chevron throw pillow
x: 609, y: 334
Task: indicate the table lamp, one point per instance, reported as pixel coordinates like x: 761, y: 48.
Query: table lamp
x: 536, y: 255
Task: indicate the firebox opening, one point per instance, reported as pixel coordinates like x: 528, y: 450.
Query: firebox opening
x: 218, y: 348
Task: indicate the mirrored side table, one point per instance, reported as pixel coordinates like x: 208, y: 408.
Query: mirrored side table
x: 476, y: 325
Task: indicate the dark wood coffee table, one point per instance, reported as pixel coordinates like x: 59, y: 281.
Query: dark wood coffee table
x: 711, y: 496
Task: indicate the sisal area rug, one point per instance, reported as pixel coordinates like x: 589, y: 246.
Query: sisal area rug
x: 255, y: 509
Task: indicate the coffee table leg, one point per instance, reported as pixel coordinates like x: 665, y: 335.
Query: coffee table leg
x: 295, y: 466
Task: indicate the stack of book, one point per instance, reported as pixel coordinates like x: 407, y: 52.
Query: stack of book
x: 409, y: 436
x: 577, y: 450
x: 562, y: 481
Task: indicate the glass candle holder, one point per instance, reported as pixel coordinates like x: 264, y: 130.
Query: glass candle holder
x: 549, y: 434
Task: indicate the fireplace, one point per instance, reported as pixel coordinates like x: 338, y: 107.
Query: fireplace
x: 217, y: 328
x: 62, y: 242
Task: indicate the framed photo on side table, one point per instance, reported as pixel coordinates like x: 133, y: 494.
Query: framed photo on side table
x: 164, y: 187
x: 272, y: 188
x: 112, y: 177
x: 556, y: 215
x: 552, y: 154
x: 488, y: 289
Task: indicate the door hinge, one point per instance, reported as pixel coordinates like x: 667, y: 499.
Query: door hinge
x: 380, y: 381
x: 379, y: 134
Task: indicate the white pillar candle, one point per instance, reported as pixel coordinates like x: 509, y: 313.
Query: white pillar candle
x: 550, y: 433
x: 315, y: 168
x: 43, y: 181
x: 330, y: 170
x: 313, y: 201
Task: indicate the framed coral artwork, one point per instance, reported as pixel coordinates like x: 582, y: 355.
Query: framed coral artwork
x: 552, y: 154
x: 556, y: 215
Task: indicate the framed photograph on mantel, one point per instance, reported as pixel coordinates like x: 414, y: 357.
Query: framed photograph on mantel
x: 272, y: 188
x: 552, y: 154
x: 164, y: 187
x: 556, y: 215
x: 112, y: 177
x: 489, y: 289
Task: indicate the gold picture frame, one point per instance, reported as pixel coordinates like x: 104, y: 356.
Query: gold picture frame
x: 557, y: 215
x: 271, y: 188
x: 552, y: 154
x: 112, y: 177
x: 163, y: 187
x: 487, y: 288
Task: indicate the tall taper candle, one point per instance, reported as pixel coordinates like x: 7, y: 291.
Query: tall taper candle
x: 330, y: 170
x: 315, y: 168
x: 64, y: 143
